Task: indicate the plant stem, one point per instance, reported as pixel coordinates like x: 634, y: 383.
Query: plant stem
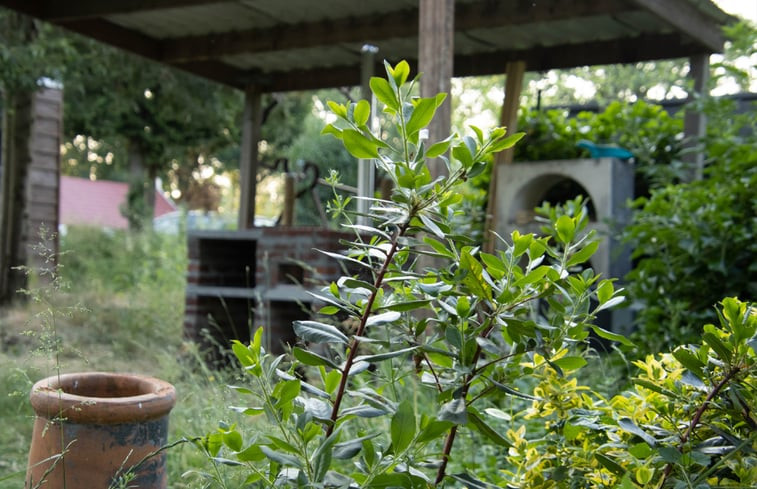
x: 450, y: 440
x: 698, y: 416
x: 363, y: 320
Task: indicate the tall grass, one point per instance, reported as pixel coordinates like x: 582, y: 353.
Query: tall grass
x: 128, y: 293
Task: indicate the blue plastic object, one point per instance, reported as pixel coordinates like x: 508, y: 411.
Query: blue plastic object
x: 605, y: 150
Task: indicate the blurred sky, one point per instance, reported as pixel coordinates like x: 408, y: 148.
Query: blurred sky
x: 744, y: 8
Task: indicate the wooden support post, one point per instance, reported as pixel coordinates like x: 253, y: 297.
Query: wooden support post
x: 365, y: 172
x: 436, y: 31
x: 695, y: 122
x: 248, y: 164
x: 508, y: 118
x: 287, y: 218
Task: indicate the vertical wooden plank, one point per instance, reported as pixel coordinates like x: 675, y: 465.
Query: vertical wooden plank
x: 248, y: 164
x: 508, y: 118
x: 695, y: 122
x: 287, y: 218
x: 436, y: 31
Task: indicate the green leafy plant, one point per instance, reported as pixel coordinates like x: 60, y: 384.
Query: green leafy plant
x: 427, y: 310
x: 688, y: 422
x: 694, y: 244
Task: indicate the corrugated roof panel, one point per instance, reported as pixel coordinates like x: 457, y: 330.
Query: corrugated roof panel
x: 302, y: 59
x: 193, y: 21
x: 299, y: 11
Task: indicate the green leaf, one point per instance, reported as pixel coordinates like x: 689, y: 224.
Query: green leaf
x: 690, y: 361
x: 242, y: 353
x: 337, y: 108
x: 628, y: 425
x: 610, y: 464
x: 605, y: 291
x: 384, y: 93
x: 431, y: 226
x: 611, y: 303
x: 281, y: 458
x: 362, y: 112
x: 253, y: 453
x: 533, y: 276
x: 455, y: 411
x: 407, y: 305
x: 333, y: 130
x: 319, y: 332
x: 486, y: 430
x: 566, y: 229
x: 383, y: 318
x: 358, y: 145
x: 403, y: 427
x: 423, y: 111
x: 322, y: 456
x: 723, y: 352
x: 570, y: 363
x: 584, y: 254
x: 385, y: 356
x: 347, y: 449
x: 400, y: 72
x: 439, y: 148
x: 312, y: 359
x: 507, y: 142
x: 603, y: 333
x: 463, y: 155
x: 433, y: 430
x: 233, y: 440
x: 512, y: 392
x: 471, y: 482
x: 328, y: 310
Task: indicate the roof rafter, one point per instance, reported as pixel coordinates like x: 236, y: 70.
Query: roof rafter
x: 630, y: 50
x: 684, y: 17
x: 61, y: 12
x: 373, y: 28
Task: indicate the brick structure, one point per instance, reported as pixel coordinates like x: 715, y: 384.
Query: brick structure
x: 240, y: 280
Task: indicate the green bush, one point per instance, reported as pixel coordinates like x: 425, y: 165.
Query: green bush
x: 647, y: 130
x: 693, y: 244
x: 688, y: 422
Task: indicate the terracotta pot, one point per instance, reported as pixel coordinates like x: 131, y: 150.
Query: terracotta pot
x: 104, y: 424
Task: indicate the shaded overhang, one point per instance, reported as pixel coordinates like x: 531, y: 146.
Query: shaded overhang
x: 281, y: 45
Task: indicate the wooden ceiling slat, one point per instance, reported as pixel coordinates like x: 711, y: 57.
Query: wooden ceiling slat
x: 691, y: 31
x: 375, y: 28
x: 59, y: 11
x: 684, y: 17
x: 631, y: 50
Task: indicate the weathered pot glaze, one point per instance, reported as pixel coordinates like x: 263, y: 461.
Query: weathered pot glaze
x: 104, y: 424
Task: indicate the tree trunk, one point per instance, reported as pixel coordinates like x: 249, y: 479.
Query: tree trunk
x: 140, y: 201
x: 16, y: 158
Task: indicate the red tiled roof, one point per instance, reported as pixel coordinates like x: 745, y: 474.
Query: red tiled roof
x: 98, y: 203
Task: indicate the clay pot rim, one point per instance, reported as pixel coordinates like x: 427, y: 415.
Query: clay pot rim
x: 148, y: 398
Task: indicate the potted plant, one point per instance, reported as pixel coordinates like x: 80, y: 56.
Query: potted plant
x: 99, y: 430
x: 438, y: 331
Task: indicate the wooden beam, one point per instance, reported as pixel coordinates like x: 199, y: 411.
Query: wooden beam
x: 60, y: 12
x: 248, y: 164
x: 436, y: 54
x: 375, y: 28
x: 618, y: 51
x: 687, y: 19
x: 509, y: 119
x: 629, y: 50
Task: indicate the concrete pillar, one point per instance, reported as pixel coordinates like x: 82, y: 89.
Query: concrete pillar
x: 695, y: 122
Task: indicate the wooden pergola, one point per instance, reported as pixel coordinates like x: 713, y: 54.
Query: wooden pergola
x: 262, y: 46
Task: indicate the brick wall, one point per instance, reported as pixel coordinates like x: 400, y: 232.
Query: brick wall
x: 240, y: 280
